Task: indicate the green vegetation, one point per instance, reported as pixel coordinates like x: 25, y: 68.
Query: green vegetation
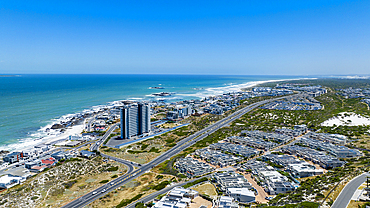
x: 126, y: 202
x: 195, y: 182
x: 161, y: 186
x: 298, y: 205
x: 104, y: 181
x: 113, y: 168
x: 69, y: 184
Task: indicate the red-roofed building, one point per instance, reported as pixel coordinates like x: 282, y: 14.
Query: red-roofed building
x: 37, y: 168
x: 48, y: 162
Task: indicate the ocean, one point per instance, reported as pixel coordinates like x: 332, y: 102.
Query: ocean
x: 30, y: 103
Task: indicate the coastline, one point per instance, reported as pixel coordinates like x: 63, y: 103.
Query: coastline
x: 54, y: 135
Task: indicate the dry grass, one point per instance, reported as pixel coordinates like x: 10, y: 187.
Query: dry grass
x: 207, y: 189
x: 84, y: 185
x: 363, y: 142
x: 129, y: 190
x: 354, y: 204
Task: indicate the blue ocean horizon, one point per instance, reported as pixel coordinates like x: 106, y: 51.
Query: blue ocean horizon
x: 29, y: 102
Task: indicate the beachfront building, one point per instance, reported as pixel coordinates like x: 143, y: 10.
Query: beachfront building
x: 13, y: 157
x: 135, y: 120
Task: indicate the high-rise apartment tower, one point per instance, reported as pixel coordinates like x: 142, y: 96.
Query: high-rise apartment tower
x: 135, y: 120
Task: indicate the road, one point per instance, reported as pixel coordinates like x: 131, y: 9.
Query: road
x: 346, y: 194
x: 96, y: 145
x: 152, y: 196
x: 180, y: 146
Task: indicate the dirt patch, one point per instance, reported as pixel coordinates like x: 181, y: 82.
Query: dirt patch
x: 261, y: 192
x: 199, y: 201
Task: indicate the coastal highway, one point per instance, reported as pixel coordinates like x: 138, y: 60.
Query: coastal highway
x: 180, y: 146
x: 346, y: 194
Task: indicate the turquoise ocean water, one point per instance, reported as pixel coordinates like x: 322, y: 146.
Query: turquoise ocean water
x: 30, y: 102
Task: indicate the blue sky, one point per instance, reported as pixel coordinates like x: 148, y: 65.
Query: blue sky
x: 185, y: 37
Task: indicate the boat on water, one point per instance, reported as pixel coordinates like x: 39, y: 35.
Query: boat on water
x: 156, y: 87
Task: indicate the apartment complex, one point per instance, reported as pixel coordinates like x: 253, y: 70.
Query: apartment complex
x: 135, y: 120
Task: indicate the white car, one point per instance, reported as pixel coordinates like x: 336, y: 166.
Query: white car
x: 94, y: 193
x: 103, y: 190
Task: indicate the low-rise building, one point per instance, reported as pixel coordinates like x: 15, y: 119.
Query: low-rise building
x: 230, y: 179
x: 297, y: 131
x: 8, y: 181
x: 87, y: 154
x: 226, y: 202
x: 242, y: 195
x: 234, y: 149
x: 337, y: 151
x: 191, y: 167
x: 13, y: 157
x: 216, y: 158
x: 280, y: 138
x: 178, y: 197
x: 317, y: 157
x: 304, y: 170
x: 252, y: 142
x: 325, y: 137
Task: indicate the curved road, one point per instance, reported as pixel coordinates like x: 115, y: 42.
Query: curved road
x: 180, y: 146
x: 346, y: 194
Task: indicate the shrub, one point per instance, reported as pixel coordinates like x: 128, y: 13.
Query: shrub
x: 161, y: 186
x: 114, y: 168
x: 126, y: 202
x: 104, y: 181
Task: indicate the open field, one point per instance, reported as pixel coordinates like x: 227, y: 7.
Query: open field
x: 63, y: 183
x: 145, y: 185
x: 207, y: 189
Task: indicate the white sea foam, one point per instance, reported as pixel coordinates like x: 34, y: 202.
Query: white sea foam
x: 230, y: 88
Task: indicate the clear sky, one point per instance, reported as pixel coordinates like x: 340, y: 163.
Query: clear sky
x: 313, y: 37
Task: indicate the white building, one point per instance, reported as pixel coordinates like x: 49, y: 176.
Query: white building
x: 8, y: 181
x: 304, y: 170
x: 227, y: 202
x: 178, y: 197
x: 242, y: 195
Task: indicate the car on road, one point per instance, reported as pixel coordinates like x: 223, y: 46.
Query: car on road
x: 103, y: 190
x: 94, y: 193
x: 112, y: 183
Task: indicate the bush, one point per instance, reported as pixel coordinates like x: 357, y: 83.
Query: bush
x: 195, y: 182
x: 114, y: 176
x: 126, y: 202
x: 114, y: 168
x: 171, y: 145
x: 153, y: 149
x: 104, y: 181
x: 69, y: 184
x: 139, y: 205
x: 161, y: 186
